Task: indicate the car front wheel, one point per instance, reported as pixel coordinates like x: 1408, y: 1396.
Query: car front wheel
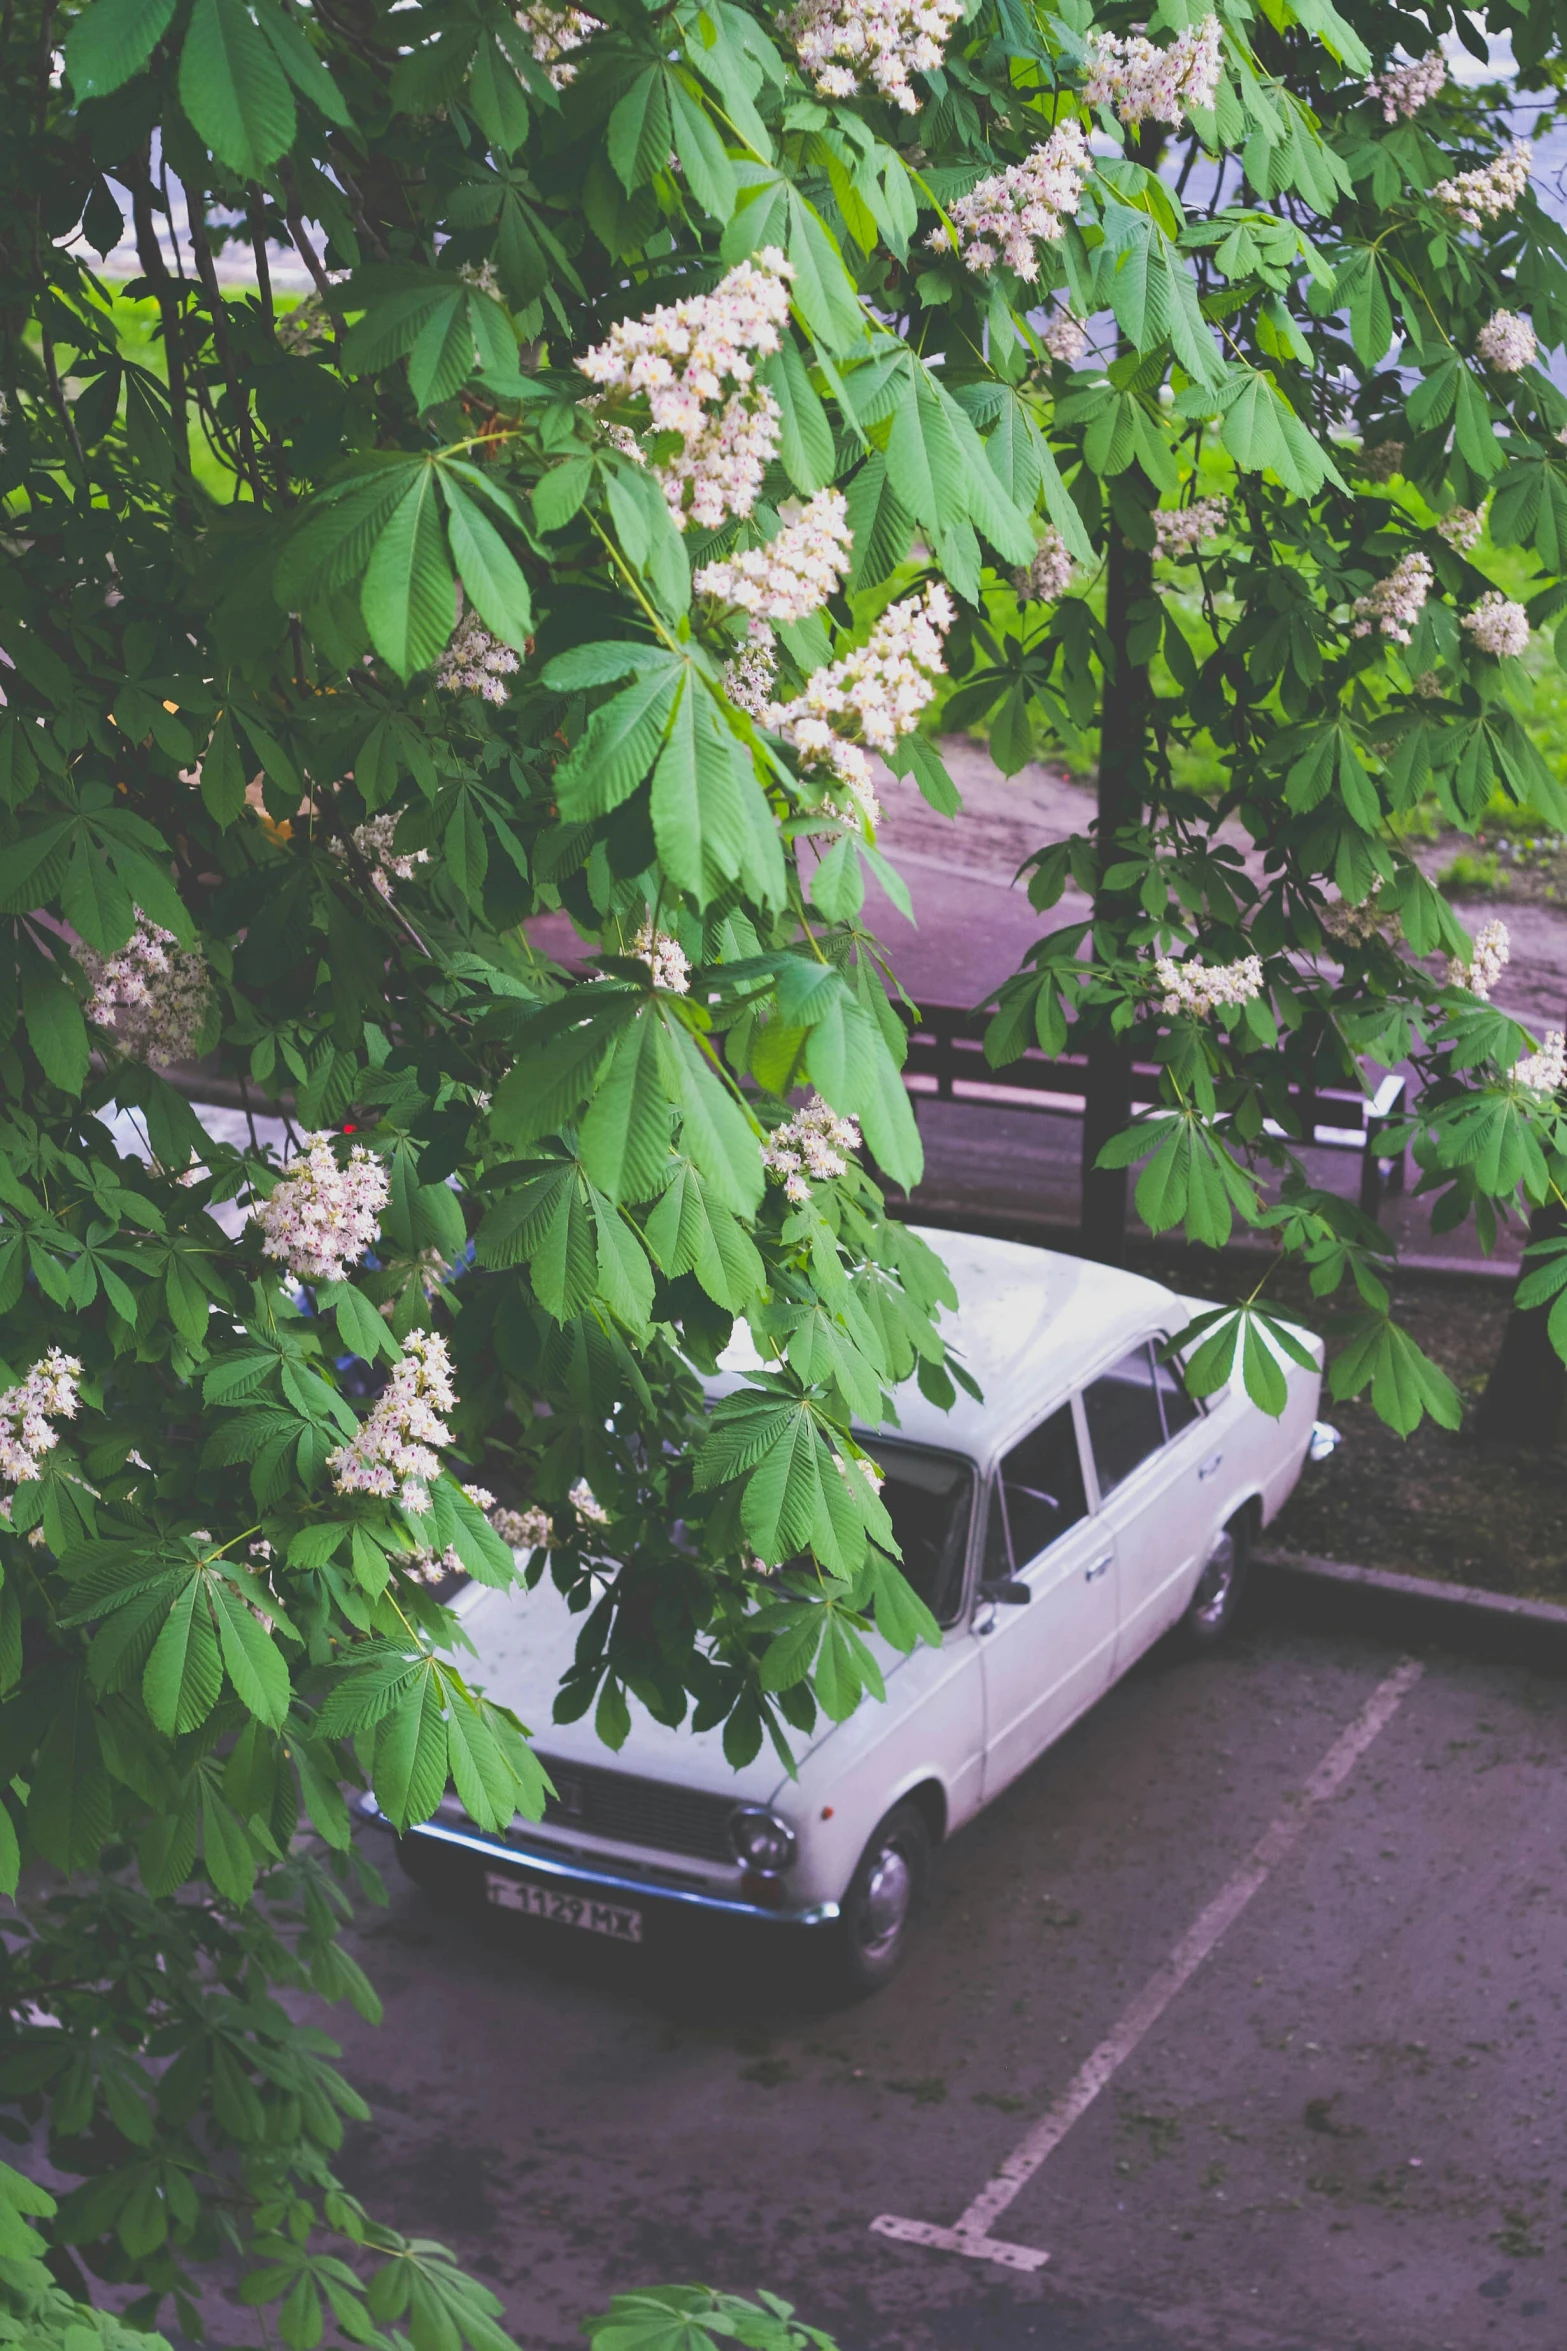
x: 884, y: 1894
x: 1217, y: 1599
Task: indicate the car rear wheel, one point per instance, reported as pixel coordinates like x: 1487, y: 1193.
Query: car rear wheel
x: 884, y: 1895
x: 1220, y: 1587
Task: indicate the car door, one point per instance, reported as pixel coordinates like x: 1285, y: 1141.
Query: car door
x: 1045, y: 1661
x: 1146, y: 1437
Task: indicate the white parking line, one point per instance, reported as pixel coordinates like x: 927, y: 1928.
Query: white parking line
x: 971, y: 2235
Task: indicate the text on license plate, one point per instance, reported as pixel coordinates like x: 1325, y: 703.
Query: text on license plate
x: 571, y: 1910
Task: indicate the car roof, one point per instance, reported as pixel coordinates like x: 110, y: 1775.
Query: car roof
x: 1030, y: 1323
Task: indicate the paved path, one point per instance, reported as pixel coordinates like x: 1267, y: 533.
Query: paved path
x: 1342, y: 2131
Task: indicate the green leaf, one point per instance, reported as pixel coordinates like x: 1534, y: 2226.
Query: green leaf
x: 184, y: 1674
x: 233, y: 88
x: 255, y: 1665
x: 112, y: 41
x: 619, y: 743
x: 410, y: 1753
x: 491, y: 575
x: 625, y: 1135
x: 441, y: 361
x: 639, y: 130
x: 69, y: 1813
x: 304, y: 68
x: 56, y: 1030
x: 699, y: 809
x: 223, y: 774
x: 225, y: 1849
x: 407, y: 597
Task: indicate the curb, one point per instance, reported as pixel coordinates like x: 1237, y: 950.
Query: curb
x: 1406, y: 1607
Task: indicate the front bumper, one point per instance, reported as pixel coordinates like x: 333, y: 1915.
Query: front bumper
x: 536, y: 1863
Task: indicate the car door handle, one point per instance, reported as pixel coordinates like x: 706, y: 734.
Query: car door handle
x: 1207, y: 1468
x: 1092, y: 1574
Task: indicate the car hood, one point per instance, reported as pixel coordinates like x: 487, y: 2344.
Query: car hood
x: 525, y: 1642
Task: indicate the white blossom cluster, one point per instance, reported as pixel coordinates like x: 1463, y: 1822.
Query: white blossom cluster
x: 481, y: 276
x: 1065, y: 338
x: 813, y: 1143
x: 1396, y: 603
x: 1382, y: 460
x: 587, y: 1505
x: 1497, y: 624
x: 1145, y: 83
x: 666, y: 958
x: 1008, y: 216
x: 373, y: 840
x: 1485, y: 194
x: 555, y: 32
x: 25, y: 1410
x: 1047, y: 579
x: 873, y: 695
x: 1181, y: 530
x: 1488, y: 959
x: 524, y: 1530
x: 1202, y: 988
x: 152, y: 996
x: 696, y: 362
x: 1506, y: 342
x: 795, y: 573
x: 320, y: 1217
x: 751, y: 679
x: 1545, y: 1071
x: 1428, y: 685
x: 1404, y: 89
x: 1461, y: 527
x: 395, y: 1450
x: 846, y: 46
x: 475, y: 662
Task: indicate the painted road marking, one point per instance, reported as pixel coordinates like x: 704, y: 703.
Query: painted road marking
x: 971, y: 2234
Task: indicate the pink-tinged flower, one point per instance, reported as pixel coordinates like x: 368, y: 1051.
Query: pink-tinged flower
x: 476, y: 663
x: 810, y: 1144
x: 1179, y: 531
x: 1498, y: 625
x: 1506, y: 343
x: 1461, y: 527
x: 1049, y: 576
x: 48, y: 1391
x: 555, y: 33
x: 1200, y: 988
x: 695, y: 363
x: 874, y: 695
x: 846, y: 46
x: 1404, y: 89
x: 395, y: 1453
x: 1008, y: 216
x: 1545, y: 1071
x: 794, y: 573
x: 1489, y: 958
x: 751, y: 678
x: 665, y: 958
x: 151, y: 997
x: 374, y: 839
x: 1485, y: 194
x: 524, y: 1530
x: 1065, y: 338
x: 320, y: 1217
x: 587, y: 1505
x: 1396, y: 603
x: 1147, y: 84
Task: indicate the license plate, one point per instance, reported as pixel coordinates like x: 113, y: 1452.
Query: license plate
x: 568, y: 1910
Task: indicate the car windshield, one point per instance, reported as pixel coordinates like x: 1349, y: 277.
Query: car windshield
x: 930, y: 1499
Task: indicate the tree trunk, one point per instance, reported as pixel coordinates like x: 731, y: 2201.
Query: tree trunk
x: 1527, y: 1390
x: 1123, y: 787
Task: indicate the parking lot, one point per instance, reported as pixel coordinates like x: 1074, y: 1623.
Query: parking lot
x: 1341, y: 2129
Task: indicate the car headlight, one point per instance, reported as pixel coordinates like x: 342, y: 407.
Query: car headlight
x: 760, y: 1839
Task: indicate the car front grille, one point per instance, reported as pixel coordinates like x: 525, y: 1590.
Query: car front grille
x: 631, y: 1811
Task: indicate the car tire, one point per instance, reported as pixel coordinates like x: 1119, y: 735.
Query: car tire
x: 885, y: 1894
x: 1220, y: 1588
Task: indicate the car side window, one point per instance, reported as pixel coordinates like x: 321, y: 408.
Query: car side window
x: 1180, y: 1408
x: 1038, y: 1494
x: 1125, y: 1424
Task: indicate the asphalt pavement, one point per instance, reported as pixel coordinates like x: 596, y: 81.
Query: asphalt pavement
x: 1337, y: 2130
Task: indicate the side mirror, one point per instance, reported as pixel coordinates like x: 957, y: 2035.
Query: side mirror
x: 1012, y: 1593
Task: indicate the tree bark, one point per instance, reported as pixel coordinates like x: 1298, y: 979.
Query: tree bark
x: 1526, y: 1392
x: 1123, y: 791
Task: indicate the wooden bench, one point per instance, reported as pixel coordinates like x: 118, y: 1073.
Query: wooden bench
x: 946, y: 1063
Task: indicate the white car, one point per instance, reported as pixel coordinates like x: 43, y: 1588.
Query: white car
x: 1056, y: 1530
